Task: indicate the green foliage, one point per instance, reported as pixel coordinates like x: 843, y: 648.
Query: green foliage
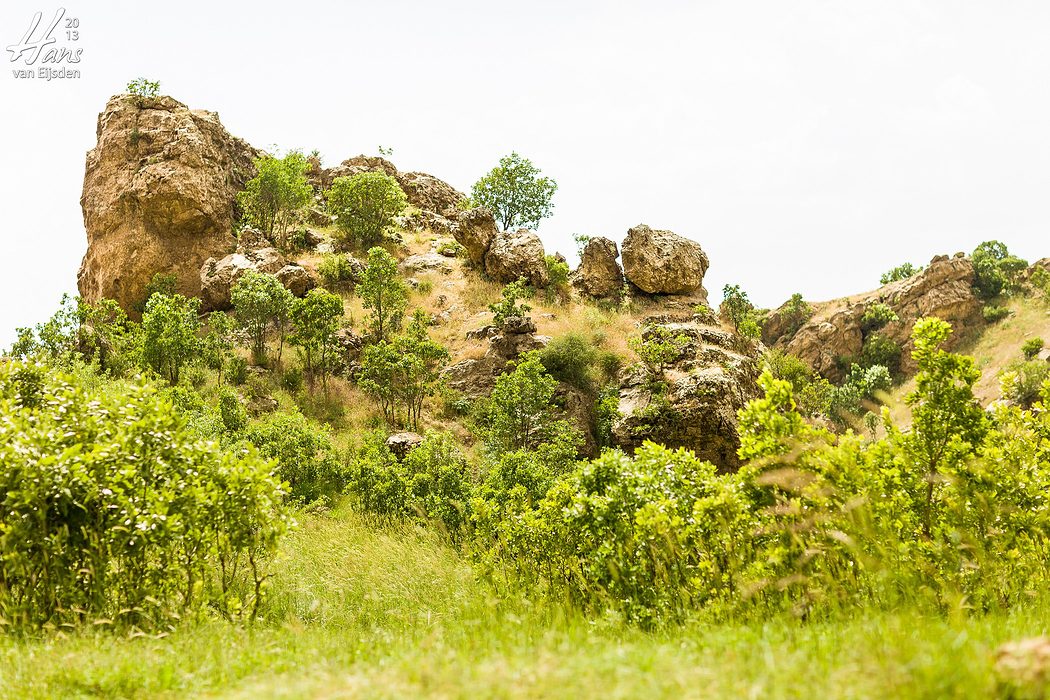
x: 238, y: 370
x: 515, y: 192
x: 572, y: 358
x: 796, y: 312
x: 401, y: 374
x: 384, y: 294
x: 273, y: 200
x: 451, y: 249
x: 169, y: 334
x: 160, y: 283
x: 1031, y: 347
x: 432, y: 483
x: 581, y: 239
x: 1040, y: 282
x: 658, y: 347
x: 337, y: 274
x: 315, y: 320
x: 901, y: 272
x: 141, y: 87
x: 1022, y: 382
x: 558, y: 271
x: 520, y: 413
x: 113, y: 510
x: 997, y: 271
x: 232, y: 413
x: 735, y: 306
x: 994, y: 314
x: 305, y: 457
x: 876, y: 316
x: 879, y: 349
x: 365, y: 205
x: 508, y: 306
x: 261, y: 304
x: 217, y: 344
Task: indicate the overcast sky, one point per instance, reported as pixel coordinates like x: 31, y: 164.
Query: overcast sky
x: 808, y: 146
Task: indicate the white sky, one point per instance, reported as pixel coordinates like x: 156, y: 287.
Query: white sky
x: 808, y: 146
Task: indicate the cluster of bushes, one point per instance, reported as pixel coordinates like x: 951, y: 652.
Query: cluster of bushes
x: 114, y: 512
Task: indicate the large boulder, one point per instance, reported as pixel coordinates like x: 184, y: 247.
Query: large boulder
x: 599, y: 275
x: 429, y: 193
x: 713, y: 377
x: 475, y: 229
x: 296, y: 279
x: 217, y: 277
x: 516, y: 255
x: 662, y: 262
x: 835, y: 332
x: 476, y: 377
x: 158, y: 197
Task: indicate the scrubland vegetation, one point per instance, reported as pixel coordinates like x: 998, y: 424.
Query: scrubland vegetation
x: 186, y: 510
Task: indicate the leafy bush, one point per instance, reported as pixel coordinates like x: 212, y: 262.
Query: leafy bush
x: 796, y: 312
x: 238, y: 370
x: 232, y: 413
x: 657, y: 348
x: 365, y: 205
x: 451, y: 249
x: 141, y: 87
x: 879, y: 349
x: 993, y: 314
x: 876, y: 316
x: 261, y: 304
x: 1022, y: 382
x: 336, y: 272
x: 169, y: 334
x: 1031, y: 347
x: 901, y: 272
x: 996, y: 270
x: 274, y: 198
x: 113, y: 510
x: 571, y: 358
x: 558, y: 270
x: 384, y: 294
x: 508, y: 306
x: 735, y: 306
x: 515, y: 193
x: 305, y: 457
x: 315, y: 320
x: 292, y: 379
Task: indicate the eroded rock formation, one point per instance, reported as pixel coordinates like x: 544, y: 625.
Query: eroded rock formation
x: 662, y: 262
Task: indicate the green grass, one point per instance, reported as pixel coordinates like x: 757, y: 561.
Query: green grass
x: 363, y: 611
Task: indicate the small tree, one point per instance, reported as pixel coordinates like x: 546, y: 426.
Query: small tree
x: 736, y: 307
x: 948, y: 423
x: 365, y: 205
x: 401, y: 374
x: 383, y: 293
x: 796, y: 312
x: 260, y: 302
x: 901, y: 272
x: 272, y: 200
x: 315, y: 320
x: 508, y: 305
x: 217, y: 345
x: 1031, y: 347
x: 140, y: 87
x: 520, y: 409
x: 169, y: 334
x: 996, y: 270
x: 515, y: 192
x: 657, y: 348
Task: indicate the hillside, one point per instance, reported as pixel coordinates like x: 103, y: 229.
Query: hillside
x: 343, y: 431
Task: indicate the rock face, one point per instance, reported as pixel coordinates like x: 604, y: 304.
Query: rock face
x: 599, y: 275
x: 713, y: 377
x: 403, y: 443
x: 426, y: 262
x: 475, y: 378
x: 475, y: 230
x: 429, y: 193
x: 296, y: 279
x: 517, y: 255
x: 158, y: 196
x: 662, y: 262
x: 217, y: 277
x: 944, y: 289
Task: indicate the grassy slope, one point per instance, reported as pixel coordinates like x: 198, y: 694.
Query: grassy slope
x: 363, y: 611
x: 994, y: 349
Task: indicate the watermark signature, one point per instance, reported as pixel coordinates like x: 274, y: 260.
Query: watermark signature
x: 48, y: 51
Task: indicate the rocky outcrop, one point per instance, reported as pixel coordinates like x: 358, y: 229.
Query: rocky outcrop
x: 662, y: 262
x: 476, y: 377
x: 475, y: 230
x: 296, y: 279
x: 426, y: 262
x: 835, y: 332
x: 217, y: 277
x: 599, y: 274
x: 694, y: 405
x: 400, y: 444
x: 430, y: 194
x: 516, y: 255
x: 158, y: 196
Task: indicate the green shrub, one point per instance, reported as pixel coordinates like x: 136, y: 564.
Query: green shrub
x: 384, y: 294
x: 141, y: 87
x: 365, y: 205
x: 876, y: 316
x: 508, y: 306
x: 232, y: 413
x: 273, y: 199
x: 305, y: 457
x: 879, y: 349
x: 261, y: 305
x: 515, y: 193
x: 292, y: 379
x: 315, y: 320
x: 169, y: 334
x: 238, y: 371
x: 996, y: 270
x: 571, y: 358
x: 113, y: 510
x: 901, y: 272
x: 796, y: 312
x: 451, y: 249
x: 336, y: 272
x: 558, y: 271
x: 1022, y: 382
x: 658, y: 347
x: 1031, y: 347
x: 993, y: 314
